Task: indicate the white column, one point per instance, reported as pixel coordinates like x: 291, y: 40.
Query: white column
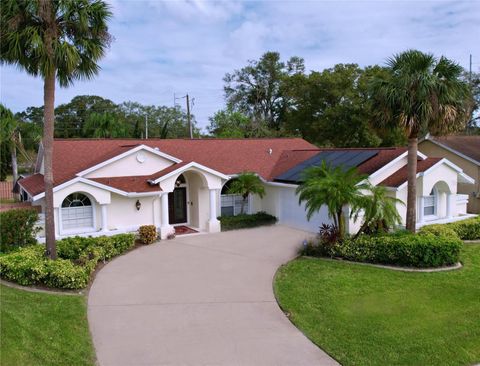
x: 164, y: 204
x: 213, y: 225
x: 450, y: 204
x: 213, y: 204
x: 57, y: 219
x: 420, y: 209
x: 104, y: 218
x: 165, y: 228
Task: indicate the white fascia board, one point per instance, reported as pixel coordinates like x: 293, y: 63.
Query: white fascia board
x: 447, y: 162
x: 127, y: 153
x: 452, y: 151
x: 188, y: 166
x: 388, y: 166
x: 276, y: 184
x: 81, y: 180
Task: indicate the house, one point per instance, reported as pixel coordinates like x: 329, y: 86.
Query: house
x: 107, y: 186
x: 463, y: 151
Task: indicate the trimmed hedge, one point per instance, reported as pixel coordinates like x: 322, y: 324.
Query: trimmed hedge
x: 466, y: 230
x: 439, y: 247
x: 246, y: 221
x: 77, y: 259
x: 409, y: 250
x: 17, y: 228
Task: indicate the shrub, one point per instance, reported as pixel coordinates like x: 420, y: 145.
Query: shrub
x: 77, y: 260
x: 467, y: 229
x: 17, y: 228
x: 426, y: 250
x: 438, y: 230
x: 246, y: 221
x: 148, y: 234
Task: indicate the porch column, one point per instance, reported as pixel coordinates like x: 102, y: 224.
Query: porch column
x: 213, y: 224
x: 165, y: 228
x: 104, y: 218
x: 450, y: 203
x: 420, y: 209
x: 57, y: 219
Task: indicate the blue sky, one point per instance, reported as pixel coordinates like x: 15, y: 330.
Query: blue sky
x: 167, y: 47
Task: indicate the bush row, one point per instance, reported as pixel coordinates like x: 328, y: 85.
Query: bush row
x: 401, y: 249
x: 17, y: 228
x: 466, y: 230
x: 246, y: 221
x: 77, y: 259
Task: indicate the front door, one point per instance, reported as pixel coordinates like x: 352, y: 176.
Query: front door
x: 177, y: 206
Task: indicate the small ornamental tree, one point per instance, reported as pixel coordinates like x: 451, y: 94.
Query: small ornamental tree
x: 245, y: 184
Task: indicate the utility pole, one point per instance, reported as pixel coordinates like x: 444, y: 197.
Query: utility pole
x: 188, y: 117
x: 146, y: 127
x: 470, y: 71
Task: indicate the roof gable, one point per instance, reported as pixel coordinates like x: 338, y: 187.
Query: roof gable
x: 467, y: 147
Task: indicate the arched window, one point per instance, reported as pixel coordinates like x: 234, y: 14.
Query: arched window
x: 430, y: 204
x: 77, y: 213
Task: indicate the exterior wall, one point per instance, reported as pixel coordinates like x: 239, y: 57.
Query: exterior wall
x: 123, y: 215
x: 469, y: 168
x: 130, y: 166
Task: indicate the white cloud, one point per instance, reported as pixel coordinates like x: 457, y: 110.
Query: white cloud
x: 162, y: 47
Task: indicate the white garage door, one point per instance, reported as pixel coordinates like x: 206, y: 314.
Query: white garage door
x: 292, y: 214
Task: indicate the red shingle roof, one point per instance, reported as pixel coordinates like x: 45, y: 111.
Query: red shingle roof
x: 228, y: 156
x: 33, y: 184
x: 400, y: 176
x: 130, y: 184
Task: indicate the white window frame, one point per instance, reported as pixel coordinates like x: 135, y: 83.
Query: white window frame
x: 434, y: 198
x: 234, y: 197
x: 78, y: 230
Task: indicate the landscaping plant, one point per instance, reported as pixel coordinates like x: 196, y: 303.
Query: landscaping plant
x: 148, y: 234
x: 17, y: 228
x: 245, y: 184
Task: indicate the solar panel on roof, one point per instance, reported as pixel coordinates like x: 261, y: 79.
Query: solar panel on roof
x: 334, y: 158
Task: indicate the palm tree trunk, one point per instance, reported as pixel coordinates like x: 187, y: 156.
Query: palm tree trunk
x: 412, y: 184
x: 13, y: 153
x: 48, y: 127
x: 341, y: 224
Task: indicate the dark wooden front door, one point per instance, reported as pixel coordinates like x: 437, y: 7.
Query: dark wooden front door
x: 177, y: 206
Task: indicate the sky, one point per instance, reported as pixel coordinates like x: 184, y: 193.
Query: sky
x: 167, y: 48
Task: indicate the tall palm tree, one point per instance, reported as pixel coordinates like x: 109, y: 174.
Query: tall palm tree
x: 56, y: 40
x: 334, y: 187
x: 420, y: 93
x: 245, y: 184
x: 379, y: 211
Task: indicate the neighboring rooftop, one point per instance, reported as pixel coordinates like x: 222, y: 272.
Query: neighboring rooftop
x: 466, y: 145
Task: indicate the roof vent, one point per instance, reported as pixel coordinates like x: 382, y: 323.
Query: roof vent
x: 156, y: 148
x: 270, y: 151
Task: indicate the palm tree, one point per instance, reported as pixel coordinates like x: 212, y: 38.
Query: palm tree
x: 334, y: 187
x: 245, y: 184
x: 56, y: 40
x: 420, y: 93
x: 379, y: 211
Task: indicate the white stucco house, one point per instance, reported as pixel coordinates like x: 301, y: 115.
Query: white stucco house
x: 108, y: 186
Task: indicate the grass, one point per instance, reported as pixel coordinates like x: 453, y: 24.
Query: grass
x: 363, y: 315
x: 43, y: 329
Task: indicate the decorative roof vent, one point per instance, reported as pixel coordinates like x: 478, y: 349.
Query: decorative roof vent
x: 270, y: 151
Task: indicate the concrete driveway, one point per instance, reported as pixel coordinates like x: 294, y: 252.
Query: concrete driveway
x: 199, y: 300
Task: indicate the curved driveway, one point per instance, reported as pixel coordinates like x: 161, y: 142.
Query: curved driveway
x: 199, y: 300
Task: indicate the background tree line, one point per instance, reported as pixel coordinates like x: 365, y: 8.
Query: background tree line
x: 266, y: 98
x: 333, y: 107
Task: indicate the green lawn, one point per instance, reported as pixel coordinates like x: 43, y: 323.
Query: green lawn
x: 370, y: 316
x: 43, y: 329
